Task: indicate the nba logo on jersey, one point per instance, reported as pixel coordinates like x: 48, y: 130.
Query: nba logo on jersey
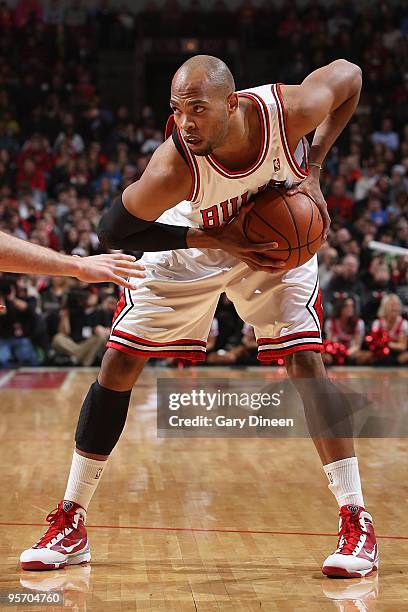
x: 276, y: 164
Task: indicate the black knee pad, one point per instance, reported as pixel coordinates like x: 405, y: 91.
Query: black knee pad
x: 101, y: 420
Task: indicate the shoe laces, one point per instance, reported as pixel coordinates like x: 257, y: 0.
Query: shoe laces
x: 350, y: 531
x: 59, y: 520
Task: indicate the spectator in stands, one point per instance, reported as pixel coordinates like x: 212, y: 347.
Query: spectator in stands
x: 26, y: 12
x: 386, y: 136
x: 391, y: 323
x: 70, y: 136
x: 377, y: 215
x: 376, y: 288
x: 31, y: 176
x: 243, y: 353
x: 345, y: 281
x: 366, y: 182
x: 339, y: 201
x: 328, y: 259
x: 78, y: 332
x: 402, y: 231
x: 345, y: 327
x: 14, y: 226
x: 55, y: 294
x: 17, y: 321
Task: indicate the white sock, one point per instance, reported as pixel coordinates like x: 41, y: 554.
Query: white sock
x: 344, y: 479
x: 84, y: 477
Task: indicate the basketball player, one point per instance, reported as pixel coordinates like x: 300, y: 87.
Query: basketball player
x: 24, y: 257
x: 225, y: 147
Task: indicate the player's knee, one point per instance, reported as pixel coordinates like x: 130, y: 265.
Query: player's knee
x: 306, y: 364
x: 119, y: 371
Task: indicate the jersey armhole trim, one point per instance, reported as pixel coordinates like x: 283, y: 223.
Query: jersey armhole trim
x: 191, y: 162
x: 282, y: 119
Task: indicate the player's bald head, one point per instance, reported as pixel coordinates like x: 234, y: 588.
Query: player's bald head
x: 204, y: 102
x: 206, y: 71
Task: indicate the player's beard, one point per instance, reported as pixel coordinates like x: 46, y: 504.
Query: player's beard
x: 209, y: 147
x: 204, y: 152
x: 217, y: 141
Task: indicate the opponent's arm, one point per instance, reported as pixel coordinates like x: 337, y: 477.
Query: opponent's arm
x: 20, y: 256
x: 325, y: 101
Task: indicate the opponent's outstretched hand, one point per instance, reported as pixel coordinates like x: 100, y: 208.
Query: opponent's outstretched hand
x: 232, y: 239
x: 115, y: 268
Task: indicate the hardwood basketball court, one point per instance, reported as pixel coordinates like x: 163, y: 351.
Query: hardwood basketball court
x: 194, y: 524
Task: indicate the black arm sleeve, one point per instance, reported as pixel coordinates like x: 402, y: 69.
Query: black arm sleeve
x: 118, y: 229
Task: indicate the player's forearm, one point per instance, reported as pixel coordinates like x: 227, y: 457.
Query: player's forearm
x: 18, y: 255
x: 200, y: 239
x: 329, y: 130
x: 119, y: 229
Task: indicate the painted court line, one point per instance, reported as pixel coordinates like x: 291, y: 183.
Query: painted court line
x: 203, y: 530
x: 4, y: 378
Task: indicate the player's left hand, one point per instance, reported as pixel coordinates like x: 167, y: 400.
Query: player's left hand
x: 311, y: 187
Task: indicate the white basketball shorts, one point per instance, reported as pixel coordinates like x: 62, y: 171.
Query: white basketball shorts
x: 170, y: 312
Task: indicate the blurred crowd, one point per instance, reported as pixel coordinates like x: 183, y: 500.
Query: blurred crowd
x: 64, y: 155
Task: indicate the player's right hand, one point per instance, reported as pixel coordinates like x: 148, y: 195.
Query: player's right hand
x: 115, y: 268
x: 231, y: 238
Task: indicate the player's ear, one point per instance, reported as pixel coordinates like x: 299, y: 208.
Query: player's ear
x: 232, y: 101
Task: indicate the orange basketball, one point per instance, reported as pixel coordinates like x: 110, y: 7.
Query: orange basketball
x: 294, y: 222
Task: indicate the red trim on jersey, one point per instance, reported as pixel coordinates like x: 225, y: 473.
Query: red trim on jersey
x: 195, y: 172
x: 295, y: 336
x: 188, y: 355
x: 271, y: 354
x: 181, y: 342
x: 283, y: 128
x: 264, y: 148
x: 169, y: 127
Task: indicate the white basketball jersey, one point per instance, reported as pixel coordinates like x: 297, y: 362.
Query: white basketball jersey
x: 218, y: 193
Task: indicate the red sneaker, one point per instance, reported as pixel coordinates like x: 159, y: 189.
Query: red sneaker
x: 357, y: 550
x: 64, y: 543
